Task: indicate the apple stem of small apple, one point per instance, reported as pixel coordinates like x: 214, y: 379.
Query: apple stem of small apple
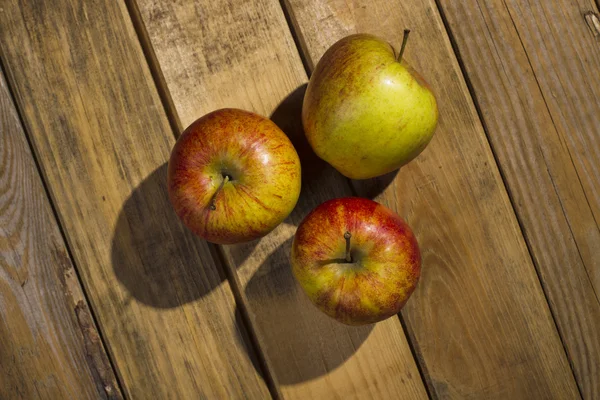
x: 404, y: 40
x: 347, y: 236
x: 213, y: 202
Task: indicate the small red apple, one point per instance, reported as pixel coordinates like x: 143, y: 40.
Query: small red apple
x: 233, y: 176
x: 356, y: 260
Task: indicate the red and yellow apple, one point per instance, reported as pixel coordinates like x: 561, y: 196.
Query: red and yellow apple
x: 233, y: 176
x: 357, y: 261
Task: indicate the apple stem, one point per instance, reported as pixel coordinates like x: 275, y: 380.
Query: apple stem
x: 347, y: 236
x: 404, y: 40
x: 213, y: 202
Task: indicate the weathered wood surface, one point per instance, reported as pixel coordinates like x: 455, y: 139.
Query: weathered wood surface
x: 96, y: 121
x: 241, y: 54
x: 49, y: 345
x: 535, y: 71
x: 479, y: 320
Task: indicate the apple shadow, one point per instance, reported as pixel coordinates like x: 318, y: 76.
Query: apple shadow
x: 288, y: 116
x: 372, y: 188
x: 314, y: 344
x: 152, y: 251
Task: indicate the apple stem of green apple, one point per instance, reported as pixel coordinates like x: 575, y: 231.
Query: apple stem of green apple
x: 213, y: 202
x: 404, y: 40
x: 347, y: 236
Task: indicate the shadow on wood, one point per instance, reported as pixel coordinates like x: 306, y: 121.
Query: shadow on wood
x: 288, y: 116
x: 148, y: 247
x: 314, y: 344
x: 371, y: 188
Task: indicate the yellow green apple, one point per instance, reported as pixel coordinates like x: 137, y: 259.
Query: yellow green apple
x: 367, y: 112
x: 357, y: 261
x: 233, y: 176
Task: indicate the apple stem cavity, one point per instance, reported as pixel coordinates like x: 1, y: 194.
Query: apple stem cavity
x: 213, y: 202
x: 347, y: 236
x: 404, y: 40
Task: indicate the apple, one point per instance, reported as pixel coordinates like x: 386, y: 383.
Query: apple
x: 357, y: 261
x: 365, y: 111
x: 233, y: 176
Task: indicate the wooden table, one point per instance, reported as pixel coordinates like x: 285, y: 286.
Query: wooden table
x: 104, y: 294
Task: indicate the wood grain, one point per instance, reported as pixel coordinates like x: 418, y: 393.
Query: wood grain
x: 49, y: 345
x: 546, y: 147
x: 99, y: 129
x: 479, y: 319
x: 216, y: 54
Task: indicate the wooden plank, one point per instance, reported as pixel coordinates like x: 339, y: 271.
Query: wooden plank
x: 561, y: 41
x: 479, y: 319
x: 49, y: 345
x: 546, y: 147
x: 103, y: 139
x: 216, y: 54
